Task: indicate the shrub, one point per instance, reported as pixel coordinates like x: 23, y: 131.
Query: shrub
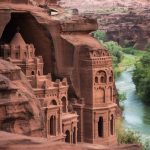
x: 129, y: 50
x: 141, y: 78
x: 128, y: 137
x: 99, y: 35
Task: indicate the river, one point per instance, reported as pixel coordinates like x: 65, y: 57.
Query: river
x: 136, y: 114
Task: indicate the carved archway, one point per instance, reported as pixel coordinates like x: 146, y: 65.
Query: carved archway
x: 101, y: 76
x: 52, y: 125
x: 67, y: 139
x: 111, y: 77
x: 53, y: 102
x: 100, y: 127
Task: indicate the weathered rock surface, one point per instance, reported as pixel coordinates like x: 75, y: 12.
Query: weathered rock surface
x: 126, y: 22
x: 19, y: 110
x: 95, y: 5
x: 16, y: 142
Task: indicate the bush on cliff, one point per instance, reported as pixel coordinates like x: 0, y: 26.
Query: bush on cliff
x: 128, y: 137
x: 99, y: 35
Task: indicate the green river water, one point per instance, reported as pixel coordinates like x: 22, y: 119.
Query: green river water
x: 136, y: 114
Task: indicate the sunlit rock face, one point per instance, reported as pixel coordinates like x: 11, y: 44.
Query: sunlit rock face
x: 19, y: 110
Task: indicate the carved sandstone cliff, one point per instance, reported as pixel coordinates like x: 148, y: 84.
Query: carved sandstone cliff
x: 53, y: 30
x: 19, y: 110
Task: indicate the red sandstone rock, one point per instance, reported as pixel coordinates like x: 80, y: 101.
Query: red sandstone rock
x: 19, y: 110
x: 62, y: 39
x: 16, y: 142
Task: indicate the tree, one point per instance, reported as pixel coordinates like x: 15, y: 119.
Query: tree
x: 141, y: 78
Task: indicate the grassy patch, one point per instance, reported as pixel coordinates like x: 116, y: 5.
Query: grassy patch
x: 129, y: 60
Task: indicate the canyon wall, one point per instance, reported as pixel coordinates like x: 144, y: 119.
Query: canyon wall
x: 126, y: 22
x: 20, y: 112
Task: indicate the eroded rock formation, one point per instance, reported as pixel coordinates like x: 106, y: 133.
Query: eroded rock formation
x: 130, y: 29
x: 126, y: 22
x: 17, y: 142
x: 19, y: 109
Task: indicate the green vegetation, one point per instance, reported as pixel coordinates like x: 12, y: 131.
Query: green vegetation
x: 126, y: 136
x: 99, y: 35
x: 132, y: 137
x: 123, y: 58
x: 129, y: 136
x: 122, y: 97
x: 141, y: 78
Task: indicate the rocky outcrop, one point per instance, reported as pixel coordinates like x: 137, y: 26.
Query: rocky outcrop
x: 129, y: 29
x: 20, y: 112
x: 126, y: 22
x: 17, y: 142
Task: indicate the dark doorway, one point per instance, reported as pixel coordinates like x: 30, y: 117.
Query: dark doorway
x: 100, y: 127
x: 112, y: 125
x: 67, y: 139
x: 32, y: 73
x: 53, y: 125
x: 53, y: 102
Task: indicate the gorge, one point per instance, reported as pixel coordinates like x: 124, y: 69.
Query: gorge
x: 69, y: 97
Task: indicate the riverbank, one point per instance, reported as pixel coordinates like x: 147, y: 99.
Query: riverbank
x: 128, y: 61
x: 135, y: 114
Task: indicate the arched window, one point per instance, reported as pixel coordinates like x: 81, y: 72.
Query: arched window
x: 53, y: 125
x: 53, y: 102
x: 101, y: 77
x: 110, y: 79
x: 100, y: 127
x: 96, y: 79
x: 112, y: 125
x: 63, y: 100
x: 67, y: 139
x: 32, y: 73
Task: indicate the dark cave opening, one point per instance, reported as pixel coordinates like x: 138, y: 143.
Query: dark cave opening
x: 32, y: 32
